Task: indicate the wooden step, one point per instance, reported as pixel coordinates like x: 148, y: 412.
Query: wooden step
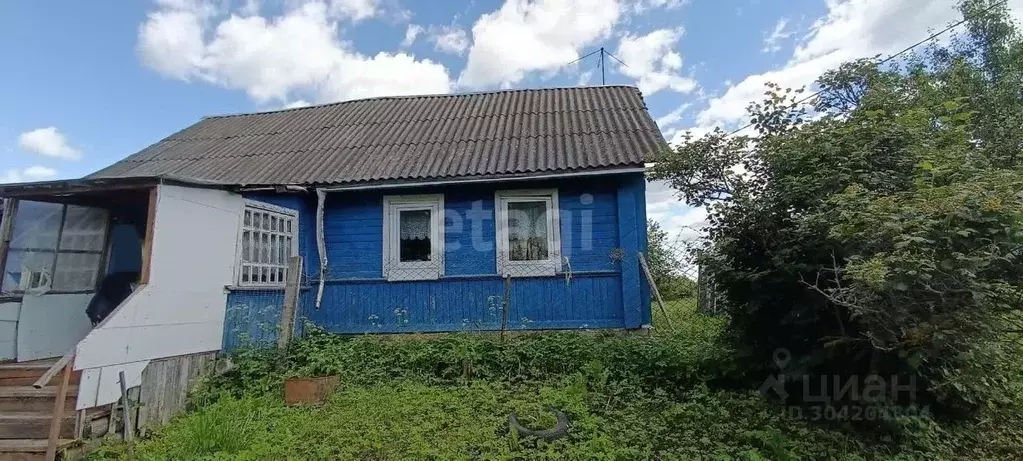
x: 29, y: 399
x: 24, y: 369
x: 28, y: 449
x: 76, y: 377
x: 33, y: 425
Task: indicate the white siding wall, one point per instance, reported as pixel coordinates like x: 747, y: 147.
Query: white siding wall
x: 181, y: 310
x: 9, y: 330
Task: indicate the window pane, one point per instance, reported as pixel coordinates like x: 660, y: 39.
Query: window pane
x: 75, y: 272
x: 275, y: 249
x: 245, y: 273
x: 36, y: 225
x: 414, y: 235
x: 25, y: 264
x: 246, y: 246
x: 266, y: 221
x: 248, y: 218
x: 255, y: 220
x: 527, y: 231
x: 84, y: 228
x: 265, y: 253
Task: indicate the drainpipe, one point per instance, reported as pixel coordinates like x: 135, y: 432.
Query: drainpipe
x: 321, y: 249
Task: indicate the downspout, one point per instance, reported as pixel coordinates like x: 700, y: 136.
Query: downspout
x: 321, y: 249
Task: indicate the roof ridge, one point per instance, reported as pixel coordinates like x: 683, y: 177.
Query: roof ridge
x: 423, y: 96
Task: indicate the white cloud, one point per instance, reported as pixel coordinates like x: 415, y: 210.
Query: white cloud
x: 449, y: 39
x: 652, y: 61
x: 772, y: 41
x: 527, y: 36
x: 170, y: 42
x: 644, y: 6
x: 356, y: 10
x: 297, y: 104
x: 673, y: 117
x: 680, y: 220
x: 850, y: 30
x: 584, y: 78
x: 411, y: 34
x: 49, y: 142
x: 32, y: 173
x: 295, y: 55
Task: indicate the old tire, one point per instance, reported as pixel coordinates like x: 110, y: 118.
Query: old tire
x: 558, y: 431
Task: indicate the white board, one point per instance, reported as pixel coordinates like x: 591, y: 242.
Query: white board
x: 181, y: 310
x: 9, y: 330
x: 101, y: 386
x: 50, y: 325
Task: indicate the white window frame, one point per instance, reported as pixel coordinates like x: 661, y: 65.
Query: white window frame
x: 393, y: 268
x: 547, y: 267
x: 262, y: 207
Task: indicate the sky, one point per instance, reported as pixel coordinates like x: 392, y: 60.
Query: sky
x: 87, y: 83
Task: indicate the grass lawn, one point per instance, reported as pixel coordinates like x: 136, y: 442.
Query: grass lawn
x: 449, y: 396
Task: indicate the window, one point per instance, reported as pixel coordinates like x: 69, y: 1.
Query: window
x: 55, y: 248
x: 267, y: 242
x: 413, y: 237
x: 528, y: 233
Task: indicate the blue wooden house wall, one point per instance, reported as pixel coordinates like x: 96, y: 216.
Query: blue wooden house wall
x: 601, y: 287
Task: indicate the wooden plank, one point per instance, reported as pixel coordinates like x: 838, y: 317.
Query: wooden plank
x: 290, y: 302
x: 52, y: 371
x: 6, y: 230
x: 58, y: 413
x: 147, y: 244
x: 629, y: 236
x: 126, y: 407
x: 653, y: 288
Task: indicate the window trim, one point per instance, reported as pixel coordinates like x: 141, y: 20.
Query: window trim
x: 395, y: 270
x: 255, y: 204
x: 540, y: 268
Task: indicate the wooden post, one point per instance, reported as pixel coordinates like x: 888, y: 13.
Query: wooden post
x: 507, y: 305
x: 126, y: 409
x: 58, y: 414
x: 290, y: 302
x: 147, y: 243
x: 653, y: 288
x: 6, y: 230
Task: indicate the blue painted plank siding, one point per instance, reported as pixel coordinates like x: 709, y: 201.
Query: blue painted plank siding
x: 599, y: 215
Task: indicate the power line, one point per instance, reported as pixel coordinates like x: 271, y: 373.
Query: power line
x: 900, y: 53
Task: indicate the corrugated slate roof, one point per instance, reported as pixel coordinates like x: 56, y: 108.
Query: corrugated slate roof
x: 518, y: 132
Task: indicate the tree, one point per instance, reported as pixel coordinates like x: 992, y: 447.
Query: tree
x: 879, y: 231
x: 665, y: 264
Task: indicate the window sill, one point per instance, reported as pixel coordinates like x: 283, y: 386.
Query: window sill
x: 254, y: 288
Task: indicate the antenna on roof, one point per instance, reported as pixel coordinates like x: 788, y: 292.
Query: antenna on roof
x: 600, y: 63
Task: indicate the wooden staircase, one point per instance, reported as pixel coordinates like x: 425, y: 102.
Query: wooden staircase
x: 26, y: 412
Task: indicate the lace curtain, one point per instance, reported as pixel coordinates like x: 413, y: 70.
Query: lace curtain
x: 414, y: 235
x: 527, y: 231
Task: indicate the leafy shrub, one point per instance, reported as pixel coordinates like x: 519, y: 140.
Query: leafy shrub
x: 690, y: 355
x: 878, y: 232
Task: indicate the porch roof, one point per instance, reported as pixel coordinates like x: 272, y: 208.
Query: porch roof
x: 51, y: 190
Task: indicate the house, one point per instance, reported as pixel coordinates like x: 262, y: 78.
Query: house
x: 521, y: 209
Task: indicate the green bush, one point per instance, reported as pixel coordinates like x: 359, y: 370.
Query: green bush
x: 880, y: 231
x: 692, y: 353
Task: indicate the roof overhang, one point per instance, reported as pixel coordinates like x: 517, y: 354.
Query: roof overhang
x: 83, y: 186
x: 481, y: 179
